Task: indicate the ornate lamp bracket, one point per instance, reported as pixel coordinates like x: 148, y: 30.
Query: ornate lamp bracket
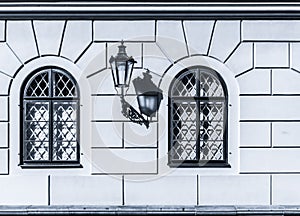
x: 129, y: 112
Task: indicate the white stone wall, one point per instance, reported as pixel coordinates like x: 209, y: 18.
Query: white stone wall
x: 124, y: 163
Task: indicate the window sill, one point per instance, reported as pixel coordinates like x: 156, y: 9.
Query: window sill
x: 210, y: 164
x: 49, y: 166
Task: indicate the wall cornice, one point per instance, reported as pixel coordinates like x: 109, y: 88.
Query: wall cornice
x: 148, y: 10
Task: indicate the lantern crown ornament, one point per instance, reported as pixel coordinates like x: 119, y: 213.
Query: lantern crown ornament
x: 149, y: 95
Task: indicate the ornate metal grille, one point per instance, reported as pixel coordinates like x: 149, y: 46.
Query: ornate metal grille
x: 50, y: 110
x: 198, y: 119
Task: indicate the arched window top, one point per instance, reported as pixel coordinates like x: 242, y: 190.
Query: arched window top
x: 51, y: 83
x: 198, y: 119
x: 198, y: 82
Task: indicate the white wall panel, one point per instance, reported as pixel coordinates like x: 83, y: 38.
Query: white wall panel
x: 170, y: 38
x: 24, y: 46
x: 102, y: 83
x: 122, y: 161
x: 136, y: 135
x: 161, y: 190
x: 124, y: 30
x: 271, y: 30
x: 107, y: 108
x: 195, y: 30
x: 3, y: 134
x: 77, y: 37
x: 295, y: 55
x: 270, y: 108
x: 285, y: 81
x: 286, y: 134
x: 94, y: 59
x: 286, y: 189
x: 255, y: 134
x: 234, y: 190
x: 154, y: 59
x: 86, y: 190
x: 4, y: 83
x: 225, y: 38
x: 4, y: 108
x: 9, y: 63
x: 107, y: 134
x: 271, y: 55
x: 266, y: 160
x: 24, y: 190
x: 257, y: 81
x: 242, y: 59
x: 49, y: 36
x: 4, y: 161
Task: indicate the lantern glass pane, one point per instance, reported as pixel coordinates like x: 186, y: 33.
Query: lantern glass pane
x: 147, y: 104
x: 151, y: 103
x: 121, y: 73
x: 114, y: 73
x: 130, y: 68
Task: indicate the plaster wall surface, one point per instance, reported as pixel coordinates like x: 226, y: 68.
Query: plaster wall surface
x: 126, y: 164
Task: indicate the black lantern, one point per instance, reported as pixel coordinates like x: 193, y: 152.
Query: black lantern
x: 121, y: 67
x: 148, y: 95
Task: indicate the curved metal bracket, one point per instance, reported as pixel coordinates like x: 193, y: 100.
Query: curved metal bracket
x: 129, y: 112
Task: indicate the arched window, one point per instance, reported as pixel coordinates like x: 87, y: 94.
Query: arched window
x: 198, y: 103
x: 50, y: 119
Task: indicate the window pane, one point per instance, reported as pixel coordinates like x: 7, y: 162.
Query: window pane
x: 184, y: 150
x: 64, y: 151
x: 211, y: 150
x: 65, y: 111
x: 184, y: 130
x: 185, y: 110
x: 210, y: 86
x: 37, y: 151
x: 211, y: 111
x: 64, y: 131
x: 36, y: 131
x: 38, y: 86
x: 211, y: 130
x: 37, y: 111
x: 63, y: 86
x: 185, y: 86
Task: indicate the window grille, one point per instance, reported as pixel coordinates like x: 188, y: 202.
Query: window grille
x: 198, y: 119
x: 50, y: 119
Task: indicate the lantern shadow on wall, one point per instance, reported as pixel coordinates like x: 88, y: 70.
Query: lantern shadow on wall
x: 149, y: 96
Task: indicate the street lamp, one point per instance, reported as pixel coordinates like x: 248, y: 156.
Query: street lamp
x: 121, y: 67
x: 149, y: 95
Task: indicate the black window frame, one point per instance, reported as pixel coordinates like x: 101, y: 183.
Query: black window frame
x: 51, y: 99
x: 200, y: 163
